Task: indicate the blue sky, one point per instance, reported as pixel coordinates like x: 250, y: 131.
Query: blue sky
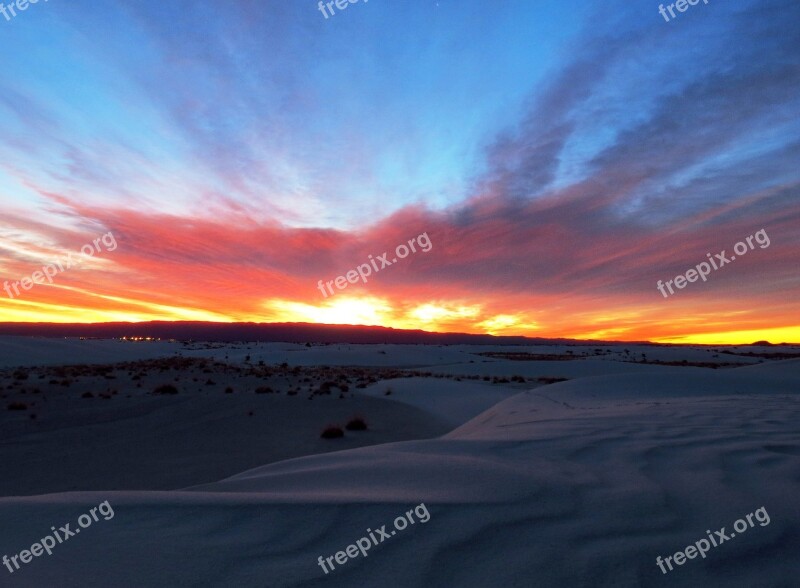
x: 331, y: 122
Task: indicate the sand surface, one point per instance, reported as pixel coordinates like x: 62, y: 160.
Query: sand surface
x: 577, y: 483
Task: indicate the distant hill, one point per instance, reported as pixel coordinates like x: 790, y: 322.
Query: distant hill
x: 277, y: 332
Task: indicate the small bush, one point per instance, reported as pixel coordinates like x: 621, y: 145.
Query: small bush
x: 228, y: 390
x: 17, y: 406
x: 356, y: 424
x: 166, y: 389
x: 264, y: 390
x: 87, y: 395
x: 547, y: 380
x: 326, y: 386
x: 388, y: 392
x: 332, y: 432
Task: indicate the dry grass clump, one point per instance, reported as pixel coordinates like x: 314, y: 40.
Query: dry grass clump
x: 356, y: 424
x: 332, y: 432
x: 551, y: 380
x: 165, y: 389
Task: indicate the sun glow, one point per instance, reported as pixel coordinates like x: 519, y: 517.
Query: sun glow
x: 344, y: 311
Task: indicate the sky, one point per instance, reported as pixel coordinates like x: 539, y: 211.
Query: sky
x: 561, y: 158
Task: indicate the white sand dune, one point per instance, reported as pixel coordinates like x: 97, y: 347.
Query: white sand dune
x: 452, y: 402
x: 576, y: 484
x: 33, y: 351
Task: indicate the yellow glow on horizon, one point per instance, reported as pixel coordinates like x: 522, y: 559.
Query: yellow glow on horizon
x: 432, y: 313
x: 343, y: 311
x: 776, y: 335
x: 71, y: 306
x: 20, y: 310
x: 506, y: 324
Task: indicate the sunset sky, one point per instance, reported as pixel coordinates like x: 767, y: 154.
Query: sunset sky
x: 562, y: 157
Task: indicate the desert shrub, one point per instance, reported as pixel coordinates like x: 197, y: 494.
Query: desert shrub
x: 325, y: 387
x: 228, y: 390
x: 87, y: 395
x: 356, y: 424
x: 264, y: 390
x: 17, y: 406
x: 166, y: 389
x: 550, y: 380
x: 332, y: 432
